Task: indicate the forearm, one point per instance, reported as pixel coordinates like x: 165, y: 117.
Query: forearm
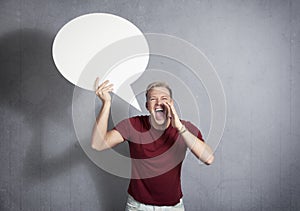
x: 198, y: 147
x: 100, y: 127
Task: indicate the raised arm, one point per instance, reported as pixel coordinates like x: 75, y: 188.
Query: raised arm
x: 199, y: 148
x: 101, y: 138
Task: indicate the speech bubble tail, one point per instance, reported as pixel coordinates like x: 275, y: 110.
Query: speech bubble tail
x: 135, y: 104
x: 128, y: 95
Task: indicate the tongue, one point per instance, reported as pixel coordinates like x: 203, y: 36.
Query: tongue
x: 160, y: 115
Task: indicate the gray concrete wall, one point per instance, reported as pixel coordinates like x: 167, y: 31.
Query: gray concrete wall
x: 255, y: 48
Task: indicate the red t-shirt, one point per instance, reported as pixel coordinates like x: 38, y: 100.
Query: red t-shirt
x: 156, y: 160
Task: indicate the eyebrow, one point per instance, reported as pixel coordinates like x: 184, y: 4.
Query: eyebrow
x: 160, y: 96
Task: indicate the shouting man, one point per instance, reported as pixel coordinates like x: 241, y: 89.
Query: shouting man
x: 157, y: 144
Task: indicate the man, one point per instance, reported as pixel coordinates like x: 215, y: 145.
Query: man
x: 157, y: 144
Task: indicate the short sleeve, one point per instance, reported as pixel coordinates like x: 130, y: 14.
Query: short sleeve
x: 193, y: 129
x: 123, y: 128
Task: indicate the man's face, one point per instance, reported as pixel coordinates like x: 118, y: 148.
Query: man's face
x: 156, y: 104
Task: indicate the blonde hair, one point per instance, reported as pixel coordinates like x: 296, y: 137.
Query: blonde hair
x: 158, y: 84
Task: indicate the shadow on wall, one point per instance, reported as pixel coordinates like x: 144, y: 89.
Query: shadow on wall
x: 36, y: 106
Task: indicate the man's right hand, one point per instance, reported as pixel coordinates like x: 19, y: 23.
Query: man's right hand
x: 103, y: 90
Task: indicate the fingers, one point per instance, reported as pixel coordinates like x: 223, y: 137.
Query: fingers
x: 108, y: 87
x: 102, y: 85
x: 172, y: 111
x: 171, y: 104
x: 169, y: 110
x: 96, y: 86
x: 103, y: 89
x: 171, y: 107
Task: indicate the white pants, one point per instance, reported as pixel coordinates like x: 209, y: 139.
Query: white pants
x: 133, y: 205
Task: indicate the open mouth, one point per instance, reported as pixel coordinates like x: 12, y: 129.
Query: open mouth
x: 160, y: 114
x: 159, y: 110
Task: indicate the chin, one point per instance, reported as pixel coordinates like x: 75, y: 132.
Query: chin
x: 160, y: 122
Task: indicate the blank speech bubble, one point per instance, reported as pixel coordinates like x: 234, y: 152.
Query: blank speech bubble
x: 79, y: 40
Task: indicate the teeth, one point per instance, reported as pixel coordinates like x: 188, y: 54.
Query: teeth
x: 159, y: 109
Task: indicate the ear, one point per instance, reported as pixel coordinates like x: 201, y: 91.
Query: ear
x: 172, y: 101
x: 146, y: 105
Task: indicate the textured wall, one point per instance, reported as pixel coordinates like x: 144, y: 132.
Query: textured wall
x: 255, y: 48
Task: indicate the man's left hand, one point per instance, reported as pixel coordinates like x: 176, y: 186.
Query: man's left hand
x: 172, y: 114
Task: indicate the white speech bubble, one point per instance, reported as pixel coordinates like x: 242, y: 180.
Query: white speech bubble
x: 79, y: 40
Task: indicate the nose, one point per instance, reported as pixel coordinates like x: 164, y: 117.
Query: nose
x: 158, y: 102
